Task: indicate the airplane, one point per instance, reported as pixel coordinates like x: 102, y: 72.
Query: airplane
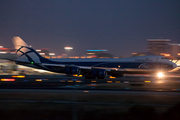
x: 93, y: 68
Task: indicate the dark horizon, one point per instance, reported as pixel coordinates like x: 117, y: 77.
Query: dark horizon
x: 121, y: 26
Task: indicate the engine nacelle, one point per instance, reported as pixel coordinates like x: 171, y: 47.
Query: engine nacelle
x: 72, y: 70
x: 75, y: 70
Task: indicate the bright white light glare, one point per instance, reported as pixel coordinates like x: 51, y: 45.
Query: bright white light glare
x: 51, y: 53
x: 1, y: 46
x: 68, y: 48
x: 160, y: 74
x: 3, y: 52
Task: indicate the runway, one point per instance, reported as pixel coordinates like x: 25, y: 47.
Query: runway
x: 60, y: 82
x: 76, y: 96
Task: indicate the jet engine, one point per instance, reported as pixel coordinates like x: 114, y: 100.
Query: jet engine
x: 72, y: 70
x: 99, y: 73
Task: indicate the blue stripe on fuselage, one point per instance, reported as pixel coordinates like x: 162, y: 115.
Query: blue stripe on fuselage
x: 115, y: 64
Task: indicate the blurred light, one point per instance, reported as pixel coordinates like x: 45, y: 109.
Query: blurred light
x: 7, y: 79
x: 96, y: 50
x: 116, y: 57
x: 32, y: 62
x: 89, y: 57
x: 68, y: 48
x: 59, y: 56
x: 78, y: 81
x: 38, y: 50
x: 109, y: 81
x: 62, y: 81
x: 117, y: 81
x: 86, y: 91
x: 101, y: 57
x: 47, y: 57
x: 162, y: 53
x: 90, y: 53
x: 1, y: 46
x: 160, y: 74
x: 93, y: 81
x: 42, y: 53
x: 51, y: 53
x: 71, y: 57
x: 147, y: 81
x: 3, y: 52
x: 70, y: 81
x: 76, y: 57
x: 134, y: 53
x: 53, y: 57
x: 18, y: 76
x: 112, y: 77
x: 38, y: 80
x: 166, y: 55
x: 80, y: 75
x: 75, y: 74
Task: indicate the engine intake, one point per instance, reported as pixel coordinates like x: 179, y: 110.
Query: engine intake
x: 99, y: 73
x: 72, y: 70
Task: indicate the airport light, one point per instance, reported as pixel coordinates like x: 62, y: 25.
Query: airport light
x: 96, y: 50
x: 3, y: 52
x: 42, y: 53
x: 38, y: 50
x: 68, y: 48
x: 51, y: 53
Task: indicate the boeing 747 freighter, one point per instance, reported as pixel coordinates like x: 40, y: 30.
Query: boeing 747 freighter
x: 91, y: 68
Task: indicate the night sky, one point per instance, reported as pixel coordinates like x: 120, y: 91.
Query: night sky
x: 121, y: 26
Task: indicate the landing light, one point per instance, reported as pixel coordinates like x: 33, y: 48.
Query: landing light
x: 160, y: 75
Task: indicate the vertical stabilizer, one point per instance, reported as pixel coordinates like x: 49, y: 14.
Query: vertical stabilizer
x: 25, y: 53
x: 18, y: 42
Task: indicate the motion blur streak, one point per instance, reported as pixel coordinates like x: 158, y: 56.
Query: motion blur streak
x: 147, y: 81
x: 109, y: 81
x: 7, y: 79
x: 18, y: 76
x: 38, y: 80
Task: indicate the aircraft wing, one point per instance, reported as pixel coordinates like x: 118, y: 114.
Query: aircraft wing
x: 120, y: 70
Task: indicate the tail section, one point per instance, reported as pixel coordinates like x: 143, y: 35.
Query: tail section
x: 26, y: 53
